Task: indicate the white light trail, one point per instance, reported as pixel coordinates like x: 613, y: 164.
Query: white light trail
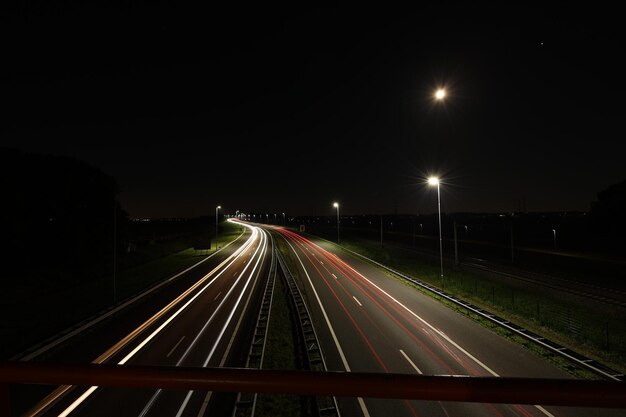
x: 230, y: 316
x: 231, y: 259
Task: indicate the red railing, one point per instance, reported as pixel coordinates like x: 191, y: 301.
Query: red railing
x: 565, y: 392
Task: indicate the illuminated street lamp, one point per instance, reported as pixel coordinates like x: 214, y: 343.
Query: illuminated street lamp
x: 336, y: 205
x: 435, y: 181
x: 440, y: 94
x: 216, y: 229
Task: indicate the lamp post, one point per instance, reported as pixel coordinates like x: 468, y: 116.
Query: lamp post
x: 439, y: 95
x: 336, y: 205
x: 554, y: 236
x: 114, y: 248
x: 435, y: 181
x: 216, y: 228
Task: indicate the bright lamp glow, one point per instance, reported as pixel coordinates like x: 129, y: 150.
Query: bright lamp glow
x: 335, y: 204
x: 440, y: 94
x: 433, y: 181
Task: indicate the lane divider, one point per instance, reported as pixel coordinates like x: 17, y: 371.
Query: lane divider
x: 175, y: 346
x: 555, y: 348
x: 413, y: 365
x: 344, y: 361
x: 434, y: 329
x: 56, y: 395
x: 263, y: 245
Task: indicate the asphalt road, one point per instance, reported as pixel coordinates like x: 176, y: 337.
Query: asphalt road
x: 206, y: 324
x: 368, y: 321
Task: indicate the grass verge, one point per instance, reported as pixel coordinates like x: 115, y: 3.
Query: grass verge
x: 281, y: 353
x: 598, y: 334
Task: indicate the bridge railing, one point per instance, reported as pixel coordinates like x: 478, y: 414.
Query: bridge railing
x: 560, y: 392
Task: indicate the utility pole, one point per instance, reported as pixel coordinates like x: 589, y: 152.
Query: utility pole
x: 114, y: 247
x: 381, y: 230
x: 456, y: 247
x: 512, y: 244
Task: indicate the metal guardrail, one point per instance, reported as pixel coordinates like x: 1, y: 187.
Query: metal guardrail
x: 245, y: 405
x: 558, y: 392
x: 326, y: 405
x: 580, y: 360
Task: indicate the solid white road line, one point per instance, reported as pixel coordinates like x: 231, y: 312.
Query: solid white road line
x: 207, y: 397
x: 220, y: 293
x: 235, y: 255
x: 427, y: 324
x: 452, y: 342
x: 330, y: 328
x: 154, y: 397
x: 230, y: 316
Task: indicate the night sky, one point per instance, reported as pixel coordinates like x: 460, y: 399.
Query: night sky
x: 287, y: 110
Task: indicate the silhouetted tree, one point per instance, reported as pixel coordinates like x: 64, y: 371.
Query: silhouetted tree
x: 57, y: 216
x: 609, y: 213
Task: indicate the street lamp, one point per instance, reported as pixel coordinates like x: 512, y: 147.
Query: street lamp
x: 435, y: 181
x: 216, y: 229
x: 336, y: 205
x: 440, y: 94
x: 554, y: 236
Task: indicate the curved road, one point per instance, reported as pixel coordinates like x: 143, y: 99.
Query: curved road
x: 203, y: 326
x: 370, y: 322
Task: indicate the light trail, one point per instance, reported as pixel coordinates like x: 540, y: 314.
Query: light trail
x: 224, y: 265
x: 352, y: 274
x: 261, y: 248
x: 331, y: 329
x: 354, y: 277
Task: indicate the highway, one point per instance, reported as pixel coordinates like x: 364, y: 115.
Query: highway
x: 207, y: 325
x: 368, y: 321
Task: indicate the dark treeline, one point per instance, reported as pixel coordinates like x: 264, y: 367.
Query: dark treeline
x: 608, y: 217
x: 60, y: 218
x: 602, y: 230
